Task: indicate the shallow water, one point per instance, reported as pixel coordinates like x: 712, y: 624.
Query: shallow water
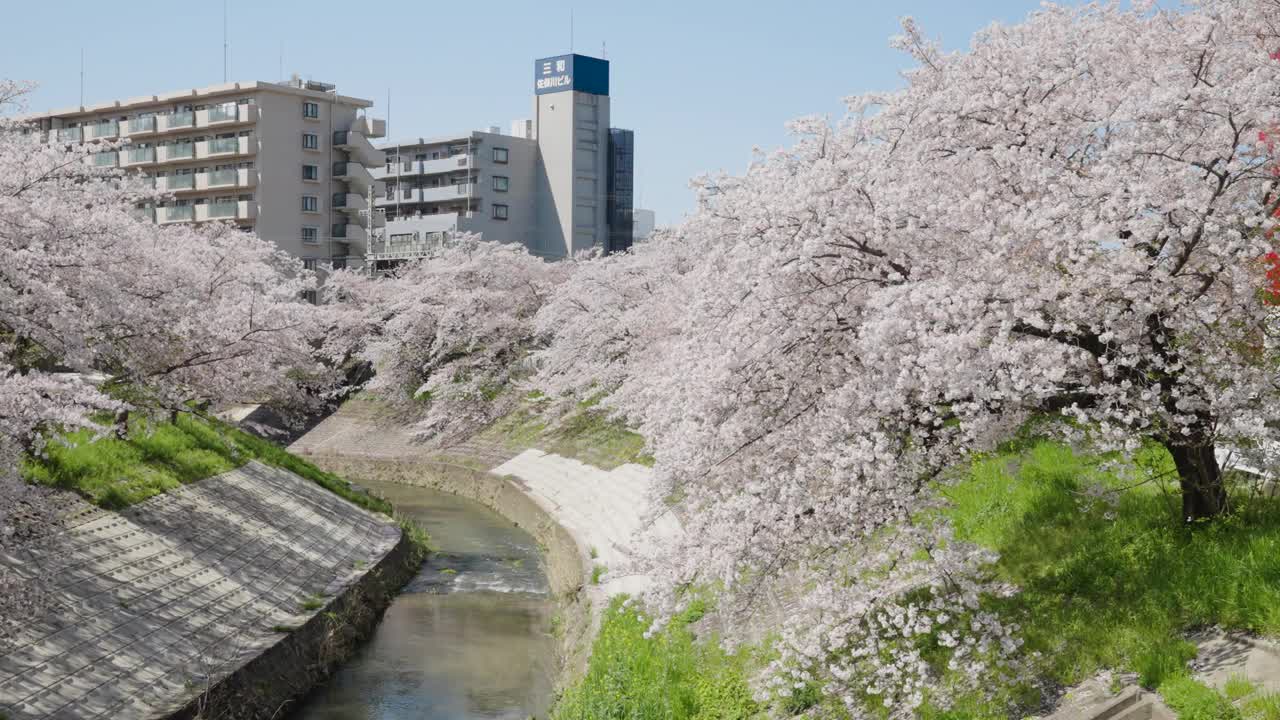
x: 467, y: 638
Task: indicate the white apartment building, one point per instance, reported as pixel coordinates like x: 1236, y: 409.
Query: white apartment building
x: 560, y: 183
x: 291, y: 161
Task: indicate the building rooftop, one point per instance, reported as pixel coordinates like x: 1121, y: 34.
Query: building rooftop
x: 296, y: 86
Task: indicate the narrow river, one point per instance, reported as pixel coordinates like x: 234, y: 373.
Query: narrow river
x: 469, y: 637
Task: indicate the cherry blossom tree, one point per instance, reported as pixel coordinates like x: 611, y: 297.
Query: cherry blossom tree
x: 448, y: 335
x: 1064, y: 220
x: 162, y: 318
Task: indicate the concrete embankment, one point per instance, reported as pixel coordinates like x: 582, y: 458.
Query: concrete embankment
x: 583, y: 516
x: 225, y: 598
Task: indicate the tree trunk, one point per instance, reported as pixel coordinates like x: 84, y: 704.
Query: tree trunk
x: 1203, y: 494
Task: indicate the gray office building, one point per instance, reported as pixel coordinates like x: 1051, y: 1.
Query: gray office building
x: 559, y: 183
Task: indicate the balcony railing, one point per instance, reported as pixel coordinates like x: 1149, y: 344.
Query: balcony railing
x: 226, y: 176
x: 224, y: 145
x: 179, y: 213
x: 185, y: 181
x: 72, y: 134
x: 104, y: 159
x: 110, y: 128
x: 180, y: 151
x: 223, y: 113
x: 338, y: 232
x: 339, y: 200
x: 141, y: 155
x: 182, y: 119
x: 142, y: 124
x: 223, y: 209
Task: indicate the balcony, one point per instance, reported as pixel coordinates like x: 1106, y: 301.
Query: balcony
x: 173, y: 183
x: 138, y: 126
x: 138, y: 156
x: 227, y: 210
x: 105, y: 159
x: 358, y: 147
x: 175, y: 121
x: 406, y: 246
x: 350, y: 233
x: 449, y: 164
x: 176, y: 151
x: 356, y: 174
x: 175, y: 214
x: 69, y: 135
x: 227, y: 178
x: 146, y: 214
x: 226, y: 147
x: 349, y: 202
x: 108, y: 129
x: 223, y: 114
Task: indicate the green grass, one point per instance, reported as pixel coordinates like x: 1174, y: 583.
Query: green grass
x: 1263, y: 707
x: 312, y: 603
x: 1192, y: 700
x: 156, y: 457
x: 670, y: 676
x: 597, y: 572
x: 1105, y: 587
x: 585, y: 434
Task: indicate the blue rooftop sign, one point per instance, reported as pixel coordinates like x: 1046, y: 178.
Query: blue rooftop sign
x: 571, y: 72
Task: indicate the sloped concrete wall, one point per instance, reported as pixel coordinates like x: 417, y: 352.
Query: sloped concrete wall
x: 157, y: 606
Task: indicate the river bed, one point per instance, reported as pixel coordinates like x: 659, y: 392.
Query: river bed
x: 468, y: 638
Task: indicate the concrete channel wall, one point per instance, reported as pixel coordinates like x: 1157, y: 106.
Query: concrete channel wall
x: 568, y: 562
x: 227, y: 597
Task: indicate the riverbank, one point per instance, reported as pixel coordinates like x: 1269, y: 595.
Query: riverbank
x: 198, y: 599
x: 583, y: 515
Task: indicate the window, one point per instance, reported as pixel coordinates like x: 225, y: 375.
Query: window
x: 310, y: 203
x: 501, y: 183
x: 500, y: 155
x: 499, y: 212
x: 310, y: 172
x: 310, y: 110
x: 310, y: 235
x: 309, y: 264
x: 310, y: 141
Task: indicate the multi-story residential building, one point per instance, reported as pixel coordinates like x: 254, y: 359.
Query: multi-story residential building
x: 290, y: 160
x: 560, y: 183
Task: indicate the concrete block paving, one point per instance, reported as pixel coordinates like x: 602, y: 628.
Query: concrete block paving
x: 158, y: 602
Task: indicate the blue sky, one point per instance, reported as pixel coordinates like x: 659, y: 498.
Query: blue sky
x: 701, y: 83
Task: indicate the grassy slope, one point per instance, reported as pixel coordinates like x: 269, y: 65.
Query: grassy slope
x: 155, y: 457
x: 1118, y: 587
x: 1102, y: 587
x: 585, y: 434
x: 669, y: 676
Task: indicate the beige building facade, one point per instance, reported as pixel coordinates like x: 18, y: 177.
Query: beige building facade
x: 291, y: 161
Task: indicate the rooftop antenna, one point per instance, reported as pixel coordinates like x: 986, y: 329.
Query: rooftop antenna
x: 224, y: 41
x: 604, y: 51
x: 81, y: 77
x: 281, y: 70
x: 571, y: 30
x: 387, y: 130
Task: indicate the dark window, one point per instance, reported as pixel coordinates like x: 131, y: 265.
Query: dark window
x: 310, y: 110
x: 500, y: 155
x: 308, y: 263
x: 310, y: 141
x: 310, y: 203
x: 501, y: 183
x: 499, y: 212
x: 310, y: 235
x: 310, y: 172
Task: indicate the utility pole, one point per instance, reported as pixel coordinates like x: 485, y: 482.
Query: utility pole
x: 225, y: 46
x: 81, y: 78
